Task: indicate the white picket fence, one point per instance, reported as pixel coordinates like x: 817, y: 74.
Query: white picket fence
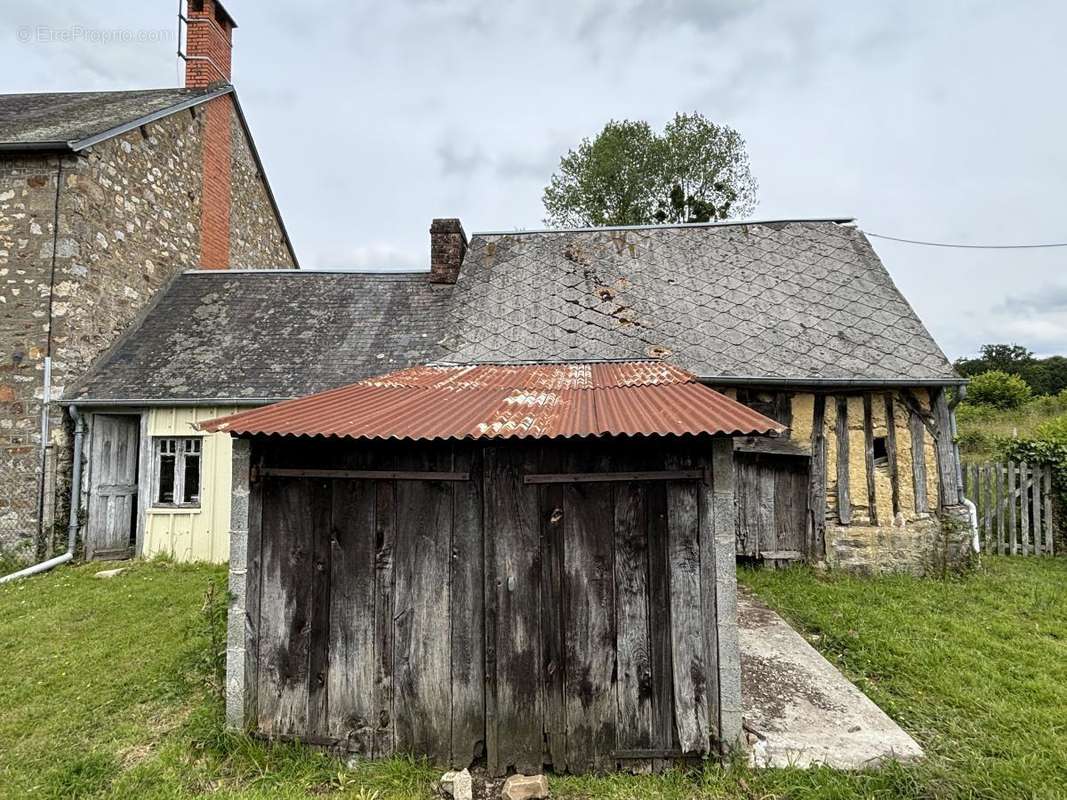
x: 1014, y: 503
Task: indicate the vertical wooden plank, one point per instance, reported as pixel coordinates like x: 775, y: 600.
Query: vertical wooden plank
x: 254, y: 593
x: 659, y: 610
x: 1013, y: 502
x: 634, y: 686
x: 748, y: 499
x: 468, y: 637
x: 1024, y: 507
x: 516, y: 738
x: 987, y: 505
x: 1035, y: 514
x: 320, y: 524
x: 917, y: 431
x: 868, y: 457
x: 946, y: 451
x: 285, y: 607
x: 727, y: 660
x: 816, y: 509
x: 350, y: 677
x: 768, y: 479
x: 687, y: 624
x: 422, y: 656
x: 589, y: 624
x: 1050, y: 529
x: 891, y: 450
x: 384, y: 559
x: 999, y: 494
x: 844, y: 503
x: 550, y: 499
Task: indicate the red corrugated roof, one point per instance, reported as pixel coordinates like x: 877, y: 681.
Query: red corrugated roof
x: 633, y: 398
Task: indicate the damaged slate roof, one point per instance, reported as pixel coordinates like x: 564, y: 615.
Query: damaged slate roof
x: 794, y: 301
x: 253, y: 336
x: 66, y: 119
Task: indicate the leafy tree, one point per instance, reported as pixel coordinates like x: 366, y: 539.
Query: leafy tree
x: 998, y: 389
x: 1046, y: 376
x: 695, y: 171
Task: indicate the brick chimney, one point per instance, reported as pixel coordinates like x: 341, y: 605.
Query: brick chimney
x: 208, y: 50
x: 448, y: 245
x: 208, y: 43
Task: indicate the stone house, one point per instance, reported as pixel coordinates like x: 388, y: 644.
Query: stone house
x: 104, y: 198
x: 797, y: 319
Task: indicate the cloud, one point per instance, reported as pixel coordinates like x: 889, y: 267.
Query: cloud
x: 1049, y: 298
x: 376, y: 257
x: 457, y: 157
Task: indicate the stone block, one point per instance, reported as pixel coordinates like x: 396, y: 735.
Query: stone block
x: 458, y: 785
x: 525, y: 787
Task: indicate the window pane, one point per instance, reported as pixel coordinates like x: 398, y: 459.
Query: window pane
x: 165, y: 478
x: 191, y: 491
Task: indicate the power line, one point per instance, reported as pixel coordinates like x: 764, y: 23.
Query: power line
x: 968, y: 246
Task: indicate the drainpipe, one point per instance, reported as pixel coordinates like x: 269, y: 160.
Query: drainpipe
x: 75, y: 494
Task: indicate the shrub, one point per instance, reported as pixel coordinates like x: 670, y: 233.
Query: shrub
x: 1053, y: 430
x: 998, y: 389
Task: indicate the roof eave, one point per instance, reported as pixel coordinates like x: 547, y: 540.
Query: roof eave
x: 35, y: 147
x: 831, y: 383
x: 81, y: 144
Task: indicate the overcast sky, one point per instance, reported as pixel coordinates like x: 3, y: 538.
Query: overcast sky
x: 927, y: 120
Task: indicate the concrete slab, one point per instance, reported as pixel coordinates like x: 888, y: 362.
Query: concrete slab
x: 799, y: 710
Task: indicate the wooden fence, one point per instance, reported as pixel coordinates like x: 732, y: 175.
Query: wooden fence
x: 1014, y: 503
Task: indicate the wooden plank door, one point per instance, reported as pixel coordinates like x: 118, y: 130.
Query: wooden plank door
x: 109, y: 531
x: 772, y: 496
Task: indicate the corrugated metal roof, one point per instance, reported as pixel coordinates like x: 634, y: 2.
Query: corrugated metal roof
x: 632, y: 398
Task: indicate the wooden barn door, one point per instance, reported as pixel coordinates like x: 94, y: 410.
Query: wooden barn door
x: 772, y: 497
x: 594, y: 619
x: 371, y: 609
x: 112, y: 518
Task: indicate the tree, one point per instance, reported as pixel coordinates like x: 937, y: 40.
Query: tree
x: 998, y: 389
x: 695, y: 171
x: 1045, y: 376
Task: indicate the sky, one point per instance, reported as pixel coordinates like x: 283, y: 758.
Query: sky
x: 939, y: 121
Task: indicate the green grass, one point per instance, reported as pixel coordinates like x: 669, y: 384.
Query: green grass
x: 979, y: 427
x: 109, y: 689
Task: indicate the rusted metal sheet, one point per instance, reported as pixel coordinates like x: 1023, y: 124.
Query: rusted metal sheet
x: 535, y: 401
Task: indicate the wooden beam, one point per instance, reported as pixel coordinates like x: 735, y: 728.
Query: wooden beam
x: 918, y: 461
x: 617, y: 477
x: 946, y: 451
x: 844, y: 502
x: 772, y: 445
x: 367, y: 474
x: 816, y: 531
x: 891, y: 450
x: 868, y: 457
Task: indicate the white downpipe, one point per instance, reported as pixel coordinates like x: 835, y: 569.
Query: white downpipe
x: 75, y: 494
x: 975, y: 542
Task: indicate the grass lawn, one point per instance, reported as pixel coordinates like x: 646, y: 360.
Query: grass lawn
x: 105, y: 691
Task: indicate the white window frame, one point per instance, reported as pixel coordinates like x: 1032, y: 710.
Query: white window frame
x: 183, y: 446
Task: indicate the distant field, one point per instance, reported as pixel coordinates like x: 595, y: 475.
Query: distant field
x: 979, y: 427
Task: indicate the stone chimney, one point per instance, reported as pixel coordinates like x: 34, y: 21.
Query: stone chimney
x: 208, y: 43
x: 448, y: 245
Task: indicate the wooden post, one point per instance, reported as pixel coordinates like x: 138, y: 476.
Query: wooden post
x: 1024, y: 506
x: 891, y: 450
x: 1050, y: 529
x: 844, y: 503
x: 946, y: 452
x: 816, y: 538
x: 242, y: 662
x: 868, y: 459
x: 1035, y: 480
x: 728, y: 658
x: 987, y: 522
x: 1013, y: 538
x: 998, y: 486
x: 918, y: 461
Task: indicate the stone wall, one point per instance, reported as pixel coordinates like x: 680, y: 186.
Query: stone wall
x: 129, y: 212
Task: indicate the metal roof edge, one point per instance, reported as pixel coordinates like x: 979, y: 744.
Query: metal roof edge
x: 719, y: 224
x: 35, y: 147
x: 78, y: 145
x: 288, y: 271
x: 201, y: 402
x: 854, y: 383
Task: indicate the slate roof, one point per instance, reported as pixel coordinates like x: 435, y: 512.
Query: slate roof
x: 269, y: 335
x: 801, y: 302
x: 65, y: 119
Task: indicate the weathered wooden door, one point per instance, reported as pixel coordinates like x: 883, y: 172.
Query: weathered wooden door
x: 772, y: 496
x: 112, y: 521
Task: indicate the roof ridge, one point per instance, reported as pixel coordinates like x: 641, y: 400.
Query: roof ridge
x: 673, y: 225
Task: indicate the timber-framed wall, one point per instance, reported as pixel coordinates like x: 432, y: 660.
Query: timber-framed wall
x: 569, y: 603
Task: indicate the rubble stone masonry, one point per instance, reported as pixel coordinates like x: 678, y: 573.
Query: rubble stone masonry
x: 129, y: 218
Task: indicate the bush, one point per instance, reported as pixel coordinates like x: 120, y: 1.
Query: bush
x: 1053, y: 430
x: 998, y: 389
